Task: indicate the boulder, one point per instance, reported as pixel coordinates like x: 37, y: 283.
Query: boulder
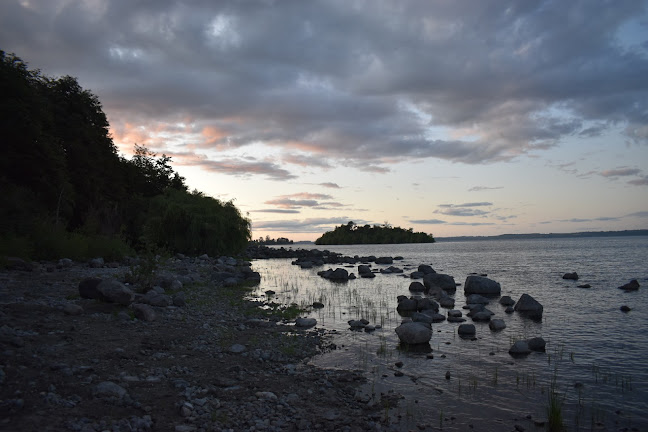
x: 440, y: 281
x: 369, y: 275
x: 414, y: 333
x: 529, y: 307
x: 72, y: 309
x: 305, y: 322
x: 88, y: 288
x: 384, y: 260
x: 633, y: 285
x: 154, y: 298
x: 425, y: 303
x: 506, y: 301
x: 393, y: 269
x: 428, y: 316
x: 417, y: 275
x: 509, y: 309
x: 520, y: 348
x: 426, y: 269
x: 406, y: 304
x: 96, y: 262
x: 625, y: 308
x: 144, y: 312
x: 497, y: 324
x: 477, y: 299
x: 481, y: 316
x: 481, y: 285
x: 571, y: 276
x: 339, y: 274
x: 446, y: 302
x: 417, y: 287
x: 113, y: 291
x: 536, y: 344
x: 357, y: 324
x: 179, y: 299
x: 466, y: 330
x: 363, y: 269
x: 454, y: 313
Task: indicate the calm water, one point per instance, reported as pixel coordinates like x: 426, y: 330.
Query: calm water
x: 597, y: 355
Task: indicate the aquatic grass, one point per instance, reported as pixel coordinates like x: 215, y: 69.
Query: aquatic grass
x: 554, y: 407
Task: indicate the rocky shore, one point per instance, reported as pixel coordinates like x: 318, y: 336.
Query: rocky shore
x: 204, y: 360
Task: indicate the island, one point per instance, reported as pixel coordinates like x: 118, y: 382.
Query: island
x: 376, y: 234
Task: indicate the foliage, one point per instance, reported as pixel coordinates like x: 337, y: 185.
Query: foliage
x: 193, y: 223
x: 377, y: 234
x: 67, y: 193
x: 271, y: 241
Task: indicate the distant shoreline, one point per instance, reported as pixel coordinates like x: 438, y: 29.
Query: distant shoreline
x: 626, y: 233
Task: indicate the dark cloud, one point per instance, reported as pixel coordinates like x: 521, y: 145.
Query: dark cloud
x: 305, y: 199
x: 428, y: 221
x: 641, y: 214
x: 312, y: 225
x: 328, y: 82
x: 282, y: 211
x: 620, y: 172
x: 455, y: 211
x: 469, y: 204
x: 234, y: 166
x: 483, y: 188
x: 643, y: 181
x: 330, y: 185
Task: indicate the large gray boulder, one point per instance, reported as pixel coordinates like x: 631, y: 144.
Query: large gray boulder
x: 113, y: 291
x: 414, y: 333
x: 439, y: 281
x: 536, y: 344
x: 339, y: 274
x: 520, y: 348
x: 481, y: 316
x: 466, y: 330
x: 481, y: 285
x: 446, y: 302
x: 406, y: 304
x: 497, y: 324
x: 305, y: 322
x: 426, y: 269
x: 530, y: 307
x: 363, y: 269
x: 417, y: 286
x: 384, y: 260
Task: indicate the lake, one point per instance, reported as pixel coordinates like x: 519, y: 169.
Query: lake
x: 596, y: 355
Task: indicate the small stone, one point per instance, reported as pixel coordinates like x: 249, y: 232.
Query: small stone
x: 625, y: 308
x: 237, y: 348
x: 447, y: 375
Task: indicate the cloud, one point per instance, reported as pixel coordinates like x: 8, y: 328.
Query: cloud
x: 284, y: 211
x: 305, y: 199
x: 641, y: 214
x: 428, y: 221
x: 468, y: 204
x: 483, y: 188
x: 620, y: 172
x: 329, y: 185
x: 312, y: 225
x: 234, y: 166
x: 642, y: 181
x: 461, y: 212
x: 328, y: 82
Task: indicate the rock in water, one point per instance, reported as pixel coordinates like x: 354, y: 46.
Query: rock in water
x: 571, y: 276
x: 529, y: 307
x: 305, y: 322
x: 466, y: 330
x: 497, y: 324
x: 413, y: 333
x: 536, y: 344
x: 481, y: 285
x: 633, y: 285
x: 520, y: 348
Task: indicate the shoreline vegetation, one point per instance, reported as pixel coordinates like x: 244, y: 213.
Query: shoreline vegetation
x: 68, y: 193
x: 350, y: 233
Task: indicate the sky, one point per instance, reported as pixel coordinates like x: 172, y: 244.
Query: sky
x: 450, y: 117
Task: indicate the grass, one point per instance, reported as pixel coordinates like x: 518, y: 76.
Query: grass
x: 555, y: 400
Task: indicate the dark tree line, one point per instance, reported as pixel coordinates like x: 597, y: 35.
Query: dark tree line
x: 376, y: 234
x: 66, y: 191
